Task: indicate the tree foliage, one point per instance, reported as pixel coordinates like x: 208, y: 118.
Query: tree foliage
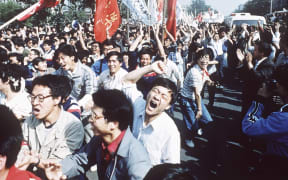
x: 257, y: 7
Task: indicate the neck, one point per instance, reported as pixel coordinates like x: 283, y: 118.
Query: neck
x: 10, y: 94
x: 4, y: 174
x: 73, y: 67
x: 53, y: 116
x: 109, y: 138
x: 149, y: 119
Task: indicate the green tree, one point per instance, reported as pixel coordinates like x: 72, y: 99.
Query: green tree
x: 198, y: 6
x: 257, y: 7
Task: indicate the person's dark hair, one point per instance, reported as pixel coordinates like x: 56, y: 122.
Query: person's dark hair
x: 13, y: 74
x: 109, y: 43
x: 19, y: 57
x: 10, y: 136
x: 115, y: 53
x: 264, y: 47
x: 281, y: 75
x: 202, y: 53
x: 170, y: 172
x: 116, y: 106
x: 68, y: 50
x: 145, y: 51
x: 48, y: 42
x: 3, y: 56
x: 37, y: 60
x: 167, y: 83
x: 60, y: 86
x: 36, y: 51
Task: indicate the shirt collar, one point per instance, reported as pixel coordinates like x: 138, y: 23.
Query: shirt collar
x: 112, y: 147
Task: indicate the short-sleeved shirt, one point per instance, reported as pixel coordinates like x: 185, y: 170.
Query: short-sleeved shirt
x: 195, y: 78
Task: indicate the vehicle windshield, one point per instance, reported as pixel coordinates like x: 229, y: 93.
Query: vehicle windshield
x: 249, y: 22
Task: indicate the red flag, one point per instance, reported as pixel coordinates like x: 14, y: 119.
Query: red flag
x: 107, y: 15
x: 160, y: 9
x: 171, y: 21
x: 37, y: 7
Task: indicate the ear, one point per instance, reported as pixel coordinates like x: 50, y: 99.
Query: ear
x: 3, y: 160
x: 113, y: 125
x: 57, y: 100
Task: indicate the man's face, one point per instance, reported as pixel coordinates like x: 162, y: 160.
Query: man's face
x: 107, y: 49
x: 46, y: 47
x: 42, y: 102
x: 158, y: 100
x: 42, y: 66
x: 32, y: 55
x: 203, y: 61
x: 95, y: 47
x: 145, y: 60
x: 114, y: 65
x: 66, y: 62
x: 13, y: 60
x: 98, y: 122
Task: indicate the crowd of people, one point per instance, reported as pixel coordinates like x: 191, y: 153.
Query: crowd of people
x: 84, y: 104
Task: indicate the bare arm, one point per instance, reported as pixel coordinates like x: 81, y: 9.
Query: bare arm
x: 160, y: 46
x: 137, y: 41
x: 198, y: 103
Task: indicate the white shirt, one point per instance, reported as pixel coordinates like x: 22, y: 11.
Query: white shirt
x: 196, y: 77
x: 20, y: 104
x: 161, y: 139
x: 106, y: 81
x: 259, y: 62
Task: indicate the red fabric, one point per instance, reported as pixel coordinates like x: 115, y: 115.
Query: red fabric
x: 37, y: 7
x: 17, y: 174
x: 107, y: 13
x: 171, y: 21
x: 204, y: 72
x: 110, y: 149
x: 160, y: 9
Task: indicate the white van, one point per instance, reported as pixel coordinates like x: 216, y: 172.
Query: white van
x: 239, y: 18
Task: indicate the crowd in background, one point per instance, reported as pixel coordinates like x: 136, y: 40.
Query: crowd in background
x: 69, y: 65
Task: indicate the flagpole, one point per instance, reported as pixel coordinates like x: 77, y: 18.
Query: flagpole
x: 15, y: 18
x: 128, y: 19
x: 163, y: 20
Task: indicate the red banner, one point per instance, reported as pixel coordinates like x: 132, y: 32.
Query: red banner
x: 107, y: 15
x: 171, y: 14
x: 37, y: 7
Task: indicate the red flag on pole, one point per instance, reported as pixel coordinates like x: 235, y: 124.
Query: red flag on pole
x: 36, y: 7
x: 171, y: 21
x: 107, y: 15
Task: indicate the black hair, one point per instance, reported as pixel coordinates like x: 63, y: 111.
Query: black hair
x: 145, y: 51
x: 170, y: 172
x: 19, y: 57
x: 115, y: 53
x: 202, y: 53
x: 60, y: 86
x: 48, y: 42
x: 10, y: 135
x: 13, y: 74
x: 68, y: 50
x: 36, y: 51
x: 281, y: 75
x: 37, y: 60
x: 263, y: 47
x: 167, y: 83
x: 116, y: 106
x: 3, y: 55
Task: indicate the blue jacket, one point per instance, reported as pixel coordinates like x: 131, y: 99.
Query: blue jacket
x: 130, y: 162
x: 274, y: 128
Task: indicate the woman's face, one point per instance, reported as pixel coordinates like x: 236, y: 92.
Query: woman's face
x: 203, y: 61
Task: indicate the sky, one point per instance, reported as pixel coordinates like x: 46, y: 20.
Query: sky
x: 226, y: 7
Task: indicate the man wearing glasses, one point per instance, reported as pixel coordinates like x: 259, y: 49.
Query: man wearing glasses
x: 118, y: 155
x: 51, y: 132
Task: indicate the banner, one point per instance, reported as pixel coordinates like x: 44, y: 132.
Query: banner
x: 152, y: 7
x: 107, y: 15
x: 36, y: 7
x: 139, y: 9
x: 160, y: 10
x: 171, y: 21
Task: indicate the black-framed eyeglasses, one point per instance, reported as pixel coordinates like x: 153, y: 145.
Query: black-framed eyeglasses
x: 40, y: 98
x: 94, y: 117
